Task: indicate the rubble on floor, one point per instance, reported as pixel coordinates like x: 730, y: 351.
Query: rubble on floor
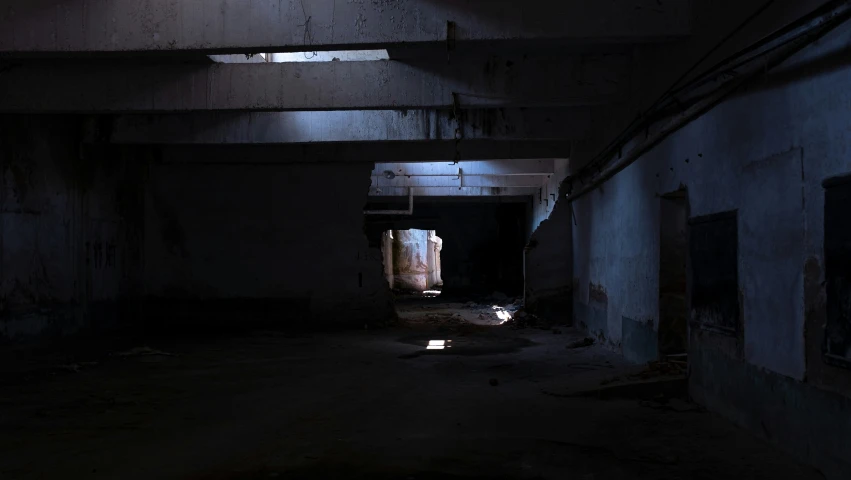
x: 143, y: 352
x: 585, y: 342
x: 485, y: 311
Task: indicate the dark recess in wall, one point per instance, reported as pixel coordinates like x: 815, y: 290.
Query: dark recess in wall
x: 714, y: 280
x: 837, y: 257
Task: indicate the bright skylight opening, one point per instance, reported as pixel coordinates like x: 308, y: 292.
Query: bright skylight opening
x: 332, y: 56
x: 299, y: 57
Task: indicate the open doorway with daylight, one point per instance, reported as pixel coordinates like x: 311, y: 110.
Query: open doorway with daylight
x: 412, y: 261
x: 413, y: 267
x: 673, y: 310
x: 451, y: 261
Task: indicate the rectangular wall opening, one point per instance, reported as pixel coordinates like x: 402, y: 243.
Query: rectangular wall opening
x: 837, y: 260
x: 714, y: 279
x: 673, y: 251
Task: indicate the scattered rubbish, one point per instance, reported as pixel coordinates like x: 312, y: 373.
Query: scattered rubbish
x: 523, y: 319
x: 585, y: 342
x: 660, y: 369
x: 75, y: 367
x: 142, y: 352
x: 672, y: 404
x: 494, y: 382
x: 501, y: 365
x: 71, y: 367
x: 589, y: 366
x: 680, y: 358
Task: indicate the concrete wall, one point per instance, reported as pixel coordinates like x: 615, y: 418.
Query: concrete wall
x: 715, y: 32
x: 70, y: 231
x: 387, y: 257
x: 548, y: 267
x: 265, y: 242
x: 763, y: 154
x: 404, y: 266
x: 544, y: 202
x: 410, y: 260
x: 548, y: 262
x: 435, y: 245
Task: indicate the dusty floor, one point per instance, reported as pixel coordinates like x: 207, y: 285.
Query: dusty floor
x: 366, y: 404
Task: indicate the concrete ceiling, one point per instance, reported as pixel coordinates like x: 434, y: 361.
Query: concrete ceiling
x: 501, y: 83
x: 234, y: 26
x: 348, y: 126
x: 492, y: 82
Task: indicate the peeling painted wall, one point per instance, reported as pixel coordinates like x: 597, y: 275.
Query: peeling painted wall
x: 435, y: 245
x: 544, y: 202
x: 265, y: 236
x: 548, y: 267
x: 763, y: 154
x: 548, y: 262
x: 69, y: 230
x: 410, y: 257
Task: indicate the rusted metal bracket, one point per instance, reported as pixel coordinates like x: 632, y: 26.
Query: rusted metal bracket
x: 459, y: 133
x: 451, y: 28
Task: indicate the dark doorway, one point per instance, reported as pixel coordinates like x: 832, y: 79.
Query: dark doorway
x: 673, y: 310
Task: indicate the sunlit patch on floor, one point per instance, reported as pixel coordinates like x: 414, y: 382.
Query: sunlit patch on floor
x: 503, y: 314
x: 438, y: 344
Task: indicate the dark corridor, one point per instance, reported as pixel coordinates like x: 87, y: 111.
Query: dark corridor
x: 482, y: 242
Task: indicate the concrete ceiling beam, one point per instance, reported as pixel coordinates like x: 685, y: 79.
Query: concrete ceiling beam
x: 238, y: 26
x: 353, y: 152
x: 461, y: 181
x: 452, y: 191
x: 531, y: 166
x: 115, y: 87
x: 344, y: 126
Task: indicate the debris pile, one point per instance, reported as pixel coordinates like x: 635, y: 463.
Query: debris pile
x: 438, y: 319
x: 143, y: 352
x: 585, y: 342
x: 661, y: 369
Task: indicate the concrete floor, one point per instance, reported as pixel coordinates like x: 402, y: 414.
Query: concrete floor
x: 364, y: 404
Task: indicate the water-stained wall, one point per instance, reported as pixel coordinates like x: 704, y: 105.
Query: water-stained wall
x: 70, y: 230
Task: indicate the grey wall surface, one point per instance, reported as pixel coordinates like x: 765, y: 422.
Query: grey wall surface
x: 764, y: 154
x: 549, y: 267
x: 410, y: 260
x: 265, y: 237
x: 70, y: 231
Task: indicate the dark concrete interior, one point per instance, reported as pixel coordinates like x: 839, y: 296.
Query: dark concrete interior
x: 482, y: 242
x: 425, y: 239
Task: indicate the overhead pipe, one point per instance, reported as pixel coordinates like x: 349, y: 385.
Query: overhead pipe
x: 409, y: 211
x: 815, y: 29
